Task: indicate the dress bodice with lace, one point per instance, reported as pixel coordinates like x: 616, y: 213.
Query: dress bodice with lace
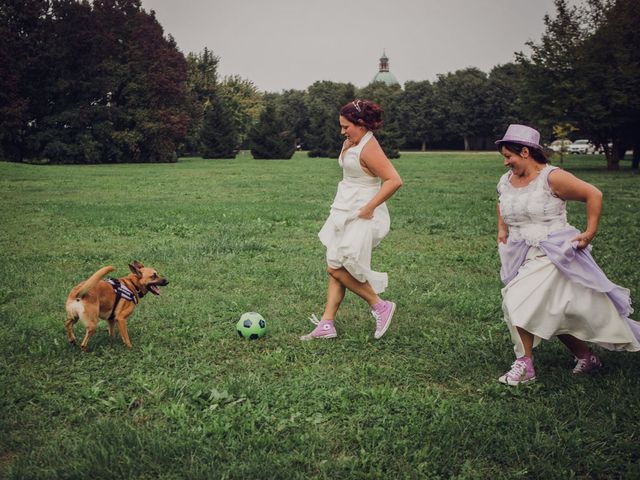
x: 531, y: 212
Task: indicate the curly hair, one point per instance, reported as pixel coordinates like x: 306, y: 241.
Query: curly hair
x: 538, y: 155
x: 364, y: 113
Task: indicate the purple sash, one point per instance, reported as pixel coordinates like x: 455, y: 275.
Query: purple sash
x: 578, y: 265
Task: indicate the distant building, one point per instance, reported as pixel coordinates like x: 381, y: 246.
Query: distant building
x: 384, y: 75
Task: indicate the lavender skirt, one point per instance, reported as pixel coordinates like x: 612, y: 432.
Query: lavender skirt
x: 555, y: 288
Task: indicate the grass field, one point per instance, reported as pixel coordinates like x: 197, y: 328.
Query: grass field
x: 191, y: 400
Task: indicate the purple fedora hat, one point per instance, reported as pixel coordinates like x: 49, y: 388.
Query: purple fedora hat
x: 523, y: 135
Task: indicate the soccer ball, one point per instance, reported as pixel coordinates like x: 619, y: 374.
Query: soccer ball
x: 251, y: 326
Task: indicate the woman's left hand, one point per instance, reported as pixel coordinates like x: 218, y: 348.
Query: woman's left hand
x: 583, y: 240
x: 365, y: 213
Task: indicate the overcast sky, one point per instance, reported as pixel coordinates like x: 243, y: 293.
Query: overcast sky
x: 284, y: 44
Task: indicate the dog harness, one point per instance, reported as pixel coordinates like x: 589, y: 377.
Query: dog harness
x: 121, y: 291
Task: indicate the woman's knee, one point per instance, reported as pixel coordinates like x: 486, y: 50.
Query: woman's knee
x: 333, y: 271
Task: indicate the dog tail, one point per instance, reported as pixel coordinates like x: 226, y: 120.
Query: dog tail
x: 93, y: 280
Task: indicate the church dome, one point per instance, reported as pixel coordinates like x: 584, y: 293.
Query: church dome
x: 384, y: 75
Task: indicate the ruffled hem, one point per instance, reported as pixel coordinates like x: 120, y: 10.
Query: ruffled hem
x: 377, y: 280
x: 349, y: 241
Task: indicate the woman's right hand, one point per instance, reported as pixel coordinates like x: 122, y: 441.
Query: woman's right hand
x: 583, y: 240
x: 503, y: 234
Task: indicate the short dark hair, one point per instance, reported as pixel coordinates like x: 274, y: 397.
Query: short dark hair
x: 537, y: 154
x: 364, y: 113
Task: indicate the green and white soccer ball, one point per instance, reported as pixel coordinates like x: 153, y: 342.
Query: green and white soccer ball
x: 251, y: 326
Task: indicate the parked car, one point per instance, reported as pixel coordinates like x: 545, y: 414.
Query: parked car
x: 582, y: 146
x: 560, y: 145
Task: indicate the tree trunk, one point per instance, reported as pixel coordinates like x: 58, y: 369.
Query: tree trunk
x: 466, y: 143
x: 424, y: 146
x: 613, y: 156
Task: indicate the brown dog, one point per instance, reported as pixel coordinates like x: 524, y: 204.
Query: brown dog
x: 112, y: 300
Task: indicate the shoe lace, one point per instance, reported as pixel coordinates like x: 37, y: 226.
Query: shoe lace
x: 313, y: 319
x: 517, y: 369
x: 581, y: 365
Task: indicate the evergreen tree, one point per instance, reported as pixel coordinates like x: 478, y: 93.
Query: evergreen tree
x: 218, y: 135
x: 292, y: 107
x: 324, y: 100
x: 269, y: 138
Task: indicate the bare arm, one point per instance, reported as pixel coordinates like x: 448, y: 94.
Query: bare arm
x: 503, y: 230
x: 376, y: 162
x: 568, y: 187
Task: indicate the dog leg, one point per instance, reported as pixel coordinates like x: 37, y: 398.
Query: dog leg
x: 110, y: 325
x: 91, y: 329
x: 68, y: 325
x: 122, y: 328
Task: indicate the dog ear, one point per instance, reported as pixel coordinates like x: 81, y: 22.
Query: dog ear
x: 138, y: 264
x: 135, y: 268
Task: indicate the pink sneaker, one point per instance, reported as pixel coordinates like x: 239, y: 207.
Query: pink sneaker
x: 521, y: 372
x: 383, y: 313
x: 587, y: 364
x: 324, y: 329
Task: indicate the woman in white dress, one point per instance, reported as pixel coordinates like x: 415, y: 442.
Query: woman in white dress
x: 358, y: 220
x: 553, y: 286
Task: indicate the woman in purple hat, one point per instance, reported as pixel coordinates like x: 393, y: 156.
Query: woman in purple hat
x: 358, y: 220
x: 553, y: 286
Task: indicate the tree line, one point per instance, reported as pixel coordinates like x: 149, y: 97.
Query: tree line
x: 100, y: 82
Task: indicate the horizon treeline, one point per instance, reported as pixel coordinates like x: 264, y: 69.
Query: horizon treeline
x: 100, y: 82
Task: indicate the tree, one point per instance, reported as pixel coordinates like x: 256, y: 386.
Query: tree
x: 586, y: 71
x: 202, y: 82
x: 269, y: 138
x: 324, y: 100
x: 464, y: 102
x: 157, y: 95
x: 292, y: 107
x: 423, y: 120
x: 504, y: 98
x: 24, y: 33
x: 549, y: 71
x: 218, y: 135
x: 244, y: 102
x: 608, y: 93
x: 91, y: 82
